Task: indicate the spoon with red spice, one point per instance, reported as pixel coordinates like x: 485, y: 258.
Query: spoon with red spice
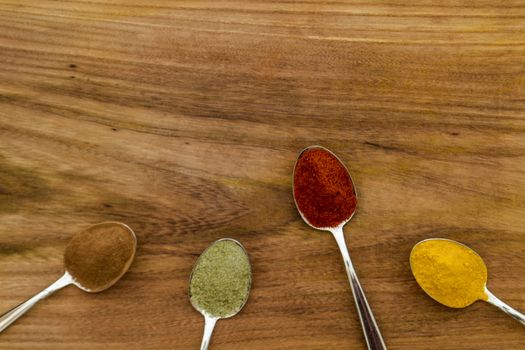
x: 324, y: 194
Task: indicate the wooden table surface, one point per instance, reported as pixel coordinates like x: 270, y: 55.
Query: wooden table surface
x: 183, y: 119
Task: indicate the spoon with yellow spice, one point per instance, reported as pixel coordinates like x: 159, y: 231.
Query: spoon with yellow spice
x: 454, y: 275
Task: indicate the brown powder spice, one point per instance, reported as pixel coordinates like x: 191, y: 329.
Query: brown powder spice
x: 99, y: 255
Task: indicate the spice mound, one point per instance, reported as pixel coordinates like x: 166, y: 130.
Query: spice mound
x: 100, y: 255
x: 449, y: 272
x: 221, y: 279
x: 323, y: 190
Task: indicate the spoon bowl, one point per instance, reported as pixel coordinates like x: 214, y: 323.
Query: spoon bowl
x: 299, y: 186
x: 118, y: 244
x: 326, y: 199
x: 75, y: 274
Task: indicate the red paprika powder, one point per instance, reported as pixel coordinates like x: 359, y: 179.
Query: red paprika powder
x: 322, y: 187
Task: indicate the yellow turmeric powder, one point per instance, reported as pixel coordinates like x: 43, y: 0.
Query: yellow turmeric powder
x: 449, y: 272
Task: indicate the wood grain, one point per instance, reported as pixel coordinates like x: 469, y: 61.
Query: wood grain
x: 183, y: 119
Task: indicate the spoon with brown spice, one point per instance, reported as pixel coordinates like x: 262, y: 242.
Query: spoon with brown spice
x: 94, y: 260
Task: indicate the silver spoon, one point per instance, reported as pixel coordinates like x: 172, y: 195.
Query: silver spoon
x: 374, y: 340
x: 463, y: 272
x: 211, y: 319
x: 69, y: 277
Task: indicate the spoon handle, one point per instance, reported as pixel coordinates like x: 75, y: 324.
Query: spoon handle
x: 373, y: 337
x: 209, y: 324
x: 492, y: 299
x: 15, y: 313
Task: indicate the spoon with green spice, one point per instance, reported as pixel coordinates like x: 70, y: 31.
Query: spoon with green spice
x: 220, y: 283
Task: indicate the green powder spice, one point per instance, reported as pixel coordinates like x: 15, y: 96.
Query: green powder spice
x: 221, y: 279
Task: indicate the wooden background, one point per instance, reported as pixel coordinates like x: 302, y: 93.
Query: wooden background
x: 183, y: 119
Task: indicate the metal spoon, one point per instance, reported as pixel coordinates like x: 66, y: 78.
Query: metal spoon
x: 483, y: 294
x: 68, y: 278
x: 374, y: 340
x: 211, y: 320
